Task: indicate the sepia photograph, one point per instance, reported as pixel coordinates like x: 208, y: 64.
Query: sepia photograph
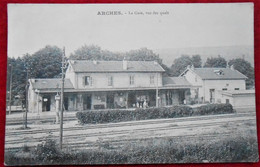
x: 130, y: 84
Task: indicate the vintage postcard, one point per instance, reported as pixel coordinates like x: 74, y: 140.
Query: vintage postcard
x: 130, y: 84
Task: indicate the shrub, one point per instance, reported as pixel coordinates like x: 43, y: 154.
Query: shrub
x: 47, y: 151
x: 214, y: 109
x: 105, y: 116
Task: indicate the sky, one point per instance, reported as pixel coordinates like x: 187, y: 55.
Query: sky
x: 33, y: 26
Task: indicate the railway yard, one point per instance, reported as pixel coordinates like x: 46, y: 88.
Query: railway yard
x: 117, y: 135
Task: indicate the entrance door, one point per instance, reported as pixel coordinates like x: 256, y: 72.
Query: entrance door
x: 131, y: 99
x: 66, y: 103
x: 181, y: 96
x: 110, y: 100
x: 212, y: 95
x: 46, y: 103
x: 168, y: 97
x: 86, y: 102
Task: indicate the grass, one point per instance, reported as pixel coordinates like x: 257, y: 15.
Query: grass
x: 233, y: 148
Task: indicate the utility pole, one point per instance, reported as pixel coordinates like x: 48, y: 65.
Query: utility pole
x: 26, y: 97
x: 62, y: 96
x: 157, y: 91
x: 10, y: 90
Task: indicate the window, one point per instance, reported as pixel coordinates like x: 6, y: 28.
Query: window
x: 87, y: 81
x: 132, y: 80
x: 227, y: 101
x: 224, y: 89
x: 110, y: 81
x: 152, y: 79
x: 236, y: 88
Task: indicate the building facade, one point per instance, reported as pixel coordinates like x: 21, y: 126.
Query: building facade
x: 212, y: 82
x: 109, y: 84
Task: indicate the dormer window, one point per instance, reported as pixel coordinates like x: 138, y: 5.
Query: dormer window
x: 219, y: 72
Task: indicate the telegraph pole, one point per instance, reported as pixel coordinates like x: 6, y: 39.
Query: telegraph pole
x: 26, y: 97
x: 10, y: 90
x: 62, y: 96
x: 157, y: 91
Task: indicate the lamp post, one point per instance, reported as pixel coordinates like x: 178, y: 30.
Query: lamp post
x: 10, y: 89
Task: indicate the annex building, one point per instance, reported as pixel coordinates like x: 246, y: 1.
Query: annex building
x: 131, y: 84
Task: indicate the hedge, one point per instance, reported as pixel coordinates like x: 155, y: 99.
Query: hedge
x: 214, y: 109
x: 106, y: 116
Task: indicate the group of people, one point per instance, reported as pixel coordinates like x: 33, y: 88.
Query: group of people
x: 141, y: 102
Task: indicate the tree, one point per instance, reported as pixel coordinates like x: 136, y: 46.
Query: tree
x: 45, y: 63
x: 93, y: 52
x: 196, y: 61
x: 142, y: 54
x: 87, y: 52
x: 181, y: 63
x: 218, y: 62
x: 245, y: 68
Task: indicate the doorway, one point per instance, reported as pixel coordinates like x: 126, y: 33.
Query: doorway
x: 86, y: 102
x: 110, y: 100
x: 66, y: 103
x: 212, y: 95
x: 46, y: 103
x: 131, y: 99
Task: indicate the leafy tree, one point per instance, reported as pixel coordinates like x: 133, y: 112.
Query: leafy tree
x: 245, y: 68
x: 45, y: 63
x: 196, y: 61
x: 216, y: 62
x: 91, y: 52
x: 142, y: 54
x: 181, y: 63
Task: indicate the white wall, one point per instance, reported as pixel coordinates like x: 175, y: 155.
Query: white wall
x: 240, y: 101
x: 120, y: 80
x: 195, y: 80
x: 70, y: 74
x: 218, y: 85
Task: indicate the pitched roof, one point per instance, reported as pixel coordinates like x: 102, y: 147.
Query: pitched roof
x: 115, y: 66
x: 175, y: 81
x: 50, y: 83
x: 218, y: 73
x: 238, y: 92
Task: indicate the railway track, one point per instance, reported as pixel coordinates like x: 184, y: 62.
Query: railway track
x: 81, y: 134
x: 138, y: 122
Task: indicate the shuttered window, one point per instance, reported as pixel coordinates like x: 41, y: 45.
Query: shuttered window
x: 110, y: 81
x: 132, y: 80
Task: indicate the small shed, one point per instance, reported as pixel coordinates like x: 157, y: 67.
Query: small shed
x: 240, y: 99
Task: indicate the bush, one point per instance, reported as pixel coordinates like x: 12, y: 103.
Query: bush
x: 106, y: 116
x: 47, y: 151
x: 214, y: 109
